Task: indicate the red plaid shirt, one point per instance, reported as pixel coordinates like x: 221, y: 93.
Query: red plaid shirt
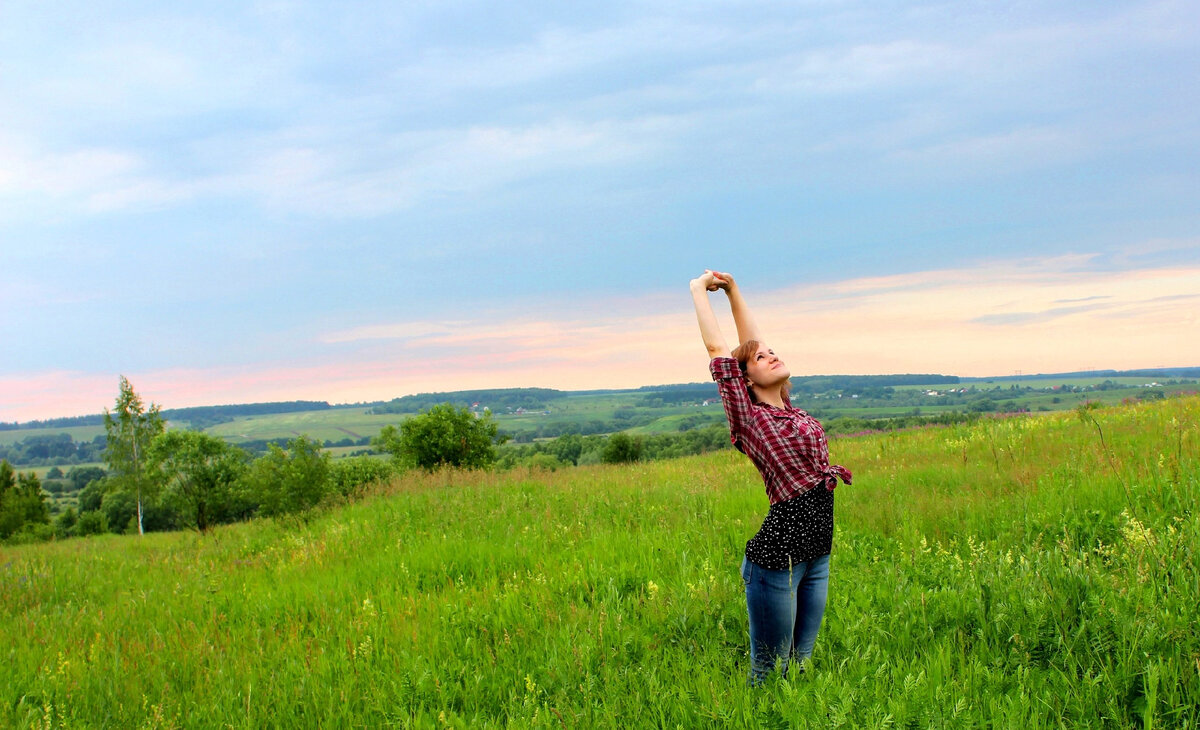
x: 787, y: 445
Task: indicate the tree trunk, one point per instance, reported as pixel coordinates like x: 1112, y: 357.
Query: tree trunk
x: 137, y: 474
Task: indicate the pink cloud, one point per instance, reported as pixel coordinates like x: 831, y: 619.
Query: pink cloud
x: 1034, y: 316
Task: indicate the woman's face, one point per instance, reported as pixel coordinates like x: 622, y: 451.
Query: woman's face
x: 765, y: 369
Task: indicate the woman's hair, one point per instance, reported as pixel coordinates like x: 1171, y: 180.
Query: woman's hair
x: 742, y: 353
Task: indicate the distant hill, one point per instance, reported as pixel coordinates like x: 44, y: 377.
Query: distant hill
x: 1143, y: 373
x: 198, y: 416
x: 535, y: 399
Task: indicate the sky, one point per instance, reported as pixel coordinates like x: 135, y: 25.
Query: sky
x: 259, y: 201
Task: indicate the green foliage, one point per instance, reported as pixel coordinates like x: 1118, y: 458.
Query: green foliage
x: 201, y: 474
x: 92, y: 496
x: 64, y: 524
x: 91, y: 523
x: 284, y: 482
x: 129, y: 429
x: 22, y: 503
x: 567, y: 448
x: 81, y: 476
x: 543, y: 461
x: 442, y: 436
x: 352, y: 475
x: 59, y: 449
x: 621, y: 448
x: 120, y: 508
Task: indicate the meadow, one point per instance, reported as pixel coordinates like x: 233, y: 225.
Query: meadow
x: 1023, y: 572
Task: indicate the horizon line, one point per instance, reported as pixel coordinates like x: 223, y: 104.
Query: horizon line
x: 21, y: 425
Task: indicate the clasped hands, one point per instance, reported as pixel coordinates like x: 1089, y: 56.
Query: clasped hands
x: 714, y: 280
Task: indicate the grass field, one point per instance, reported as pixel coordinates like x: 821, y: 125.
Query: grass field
x: 1014, y: 573
x: 78, y: 433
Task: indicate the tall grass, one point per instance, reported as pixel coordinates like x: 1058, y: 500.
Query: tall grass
x: 1001, y: 574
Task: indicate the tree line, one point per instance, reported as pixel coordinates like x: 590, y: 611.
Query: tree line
x: 160, y: 479
x: 494, y: 399
x: 52, y: 449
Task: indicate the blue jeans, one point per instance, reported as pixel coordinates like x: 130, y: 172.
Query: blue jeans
x: 785, y: 607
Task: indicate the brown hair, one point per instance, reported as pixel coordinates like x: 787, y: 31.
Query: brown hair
x: 742, y: 353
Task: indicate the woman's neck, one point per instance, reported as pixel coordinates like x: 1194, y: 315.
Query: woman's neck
x: 770, y: 396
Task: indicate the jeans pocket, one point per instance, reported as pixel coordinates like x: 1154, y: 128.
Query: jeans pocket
x: 747, y: 571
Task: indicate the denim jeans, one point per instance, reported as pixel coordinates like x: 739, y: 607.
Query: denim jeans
x: 785, y: 607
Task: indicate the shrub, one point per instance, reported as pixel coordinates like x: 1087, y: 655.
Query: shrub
x: 288, y: 481
x: 349, y: 476
x: 91, y: 523
x: 443, y: 436
x: 621, y: 448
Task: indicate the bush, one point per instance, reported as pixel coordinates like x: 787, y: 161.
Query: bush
x: 92, y: 495
x: 567, y: 448
x: 443, y: 436
x: 64, y: 526
x: 349, y: 476
x: 283, y: 482
x: 543, y: 462
x: 621, y: 448
x: 91, y: 523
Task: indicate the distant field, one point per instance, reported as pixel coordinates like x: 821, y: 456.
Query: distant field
x: 78, y: 433
x: 334, y: 424
x: 1053, y: 381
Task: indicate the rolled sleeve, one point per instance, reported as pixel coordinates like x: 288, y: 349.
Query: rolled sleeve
x: 723, y: 368
x: 728, y: 374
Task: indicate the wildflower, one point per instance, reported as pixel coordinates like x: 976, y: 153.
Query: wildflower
x: 364, y: 648
x: 652, y: 589
x: 1134, y: 532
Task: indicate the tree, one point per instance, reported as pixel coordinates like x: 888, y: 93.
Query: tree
x: 200, y: 472
x: 621, y: 448
x: 91, y: 523
x: 442, y: 436
x: 289, y: 481
x: 81, y: 476
x: 567, y: 448
x: 92, y: 496
x: 22, y: 502
x: 130, y: 427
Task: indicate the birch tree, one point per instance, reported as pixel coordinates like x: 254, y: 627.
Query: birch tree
x: 130, y: 428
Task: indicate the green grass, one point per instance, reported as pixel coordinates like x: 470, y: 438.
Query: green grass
x: 1011, y: 573
x: 334, y: 424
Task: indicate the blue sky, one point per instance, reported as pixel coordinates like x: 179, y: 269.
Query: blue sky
x: 259, y: 201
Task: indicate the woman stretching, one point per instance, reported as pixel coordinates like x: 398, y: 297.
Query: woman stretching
x: 786, y: 568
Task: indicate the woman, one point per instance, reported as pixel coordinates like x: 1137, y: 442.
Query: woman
x: 786, y: 567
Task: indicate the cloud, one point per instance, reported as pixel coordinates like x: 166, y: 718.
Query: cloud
x: 321, y: 173
x: 1082, y: 299
x: 1011, y: 318
x: 984, y: 320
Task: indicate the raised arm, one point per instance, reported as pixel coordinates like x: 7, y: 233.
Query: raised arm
x: 710, y: 331
x: 747, y: 328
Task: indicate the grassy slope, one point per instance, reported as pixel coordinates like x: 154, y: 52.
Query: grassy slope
x: 1011, y: 573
